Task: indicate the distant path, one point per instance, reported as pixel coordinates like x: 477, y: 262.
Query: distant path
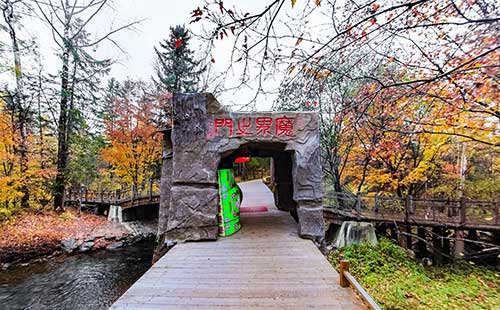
x: 264, y: 266
x: 256, y: 194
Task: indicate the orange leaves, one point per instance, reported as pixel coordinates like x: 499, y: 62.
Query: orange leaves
x: 299, y: 40
x: 135, y: 146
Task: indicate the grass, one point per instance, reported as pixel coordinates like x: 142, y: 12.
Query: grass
x: 397, y: 281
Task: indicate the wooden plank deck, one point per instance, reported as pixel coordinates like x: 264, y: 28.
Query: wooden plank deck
x: 263, y: 266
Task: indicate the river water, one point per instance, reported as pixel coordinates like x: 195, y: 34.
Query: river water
x: 85, y: 281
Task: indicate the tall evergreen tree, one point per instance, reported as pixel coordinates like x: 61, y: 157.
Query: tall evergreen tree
x: 176, y: 69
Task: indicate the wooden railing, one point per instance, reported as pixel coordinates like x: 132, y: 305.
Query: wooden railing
x: 346, y: 280
x: 457, y: 213
x: 126, y: 198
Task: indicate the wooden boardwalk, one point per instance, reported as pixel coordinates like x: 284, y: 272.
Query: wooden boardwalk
x: 264, y: 266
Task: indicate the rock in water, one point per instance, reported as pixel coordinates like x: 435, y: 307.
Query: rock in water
x: 86, y: 246
x: 69, y: 245
x: 115, y: 245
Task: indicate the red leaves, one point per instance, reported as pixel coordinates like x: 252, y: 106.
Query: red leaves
x: 221, y: 7
x: 373, y: 21
x: 313, y: 104
x: 196, y: 15
x: 178, y: 43
x: 197, y: 12
x: 223, y: 32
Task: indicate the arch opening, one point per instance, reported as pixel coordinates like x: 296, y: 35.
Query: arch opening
x: 280, y: 179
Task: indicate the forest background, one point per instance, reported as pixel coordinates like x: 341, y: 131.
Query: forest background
x: 407, y: 93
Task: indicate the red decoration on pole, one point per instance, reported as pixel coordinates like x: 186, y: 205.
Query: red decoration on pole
x: 178, y: 43
x: 241, y: 160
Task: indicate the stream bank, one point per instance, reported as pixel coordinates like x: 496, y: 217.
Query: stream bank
x: 90, y: 281
x: 39, y: 237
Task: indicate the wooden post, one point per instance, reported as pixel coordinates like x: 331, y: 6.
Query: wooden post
x: 405, y: 239
x: 437, y: 244
x: 150, y: 189
x: 462, y: 210
x: 496, y: 220
x: 80, y: 202
x: 344, y: 266
x: 117, y: 196
x: 421, y: 243
x: 446, y: 244
x: 407, y: 209
x: 459, y: 244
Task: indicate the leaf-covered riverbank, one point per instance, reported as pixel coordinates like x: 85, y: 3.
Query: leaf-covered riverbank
x: 30, y: 236
x: 396, y: 281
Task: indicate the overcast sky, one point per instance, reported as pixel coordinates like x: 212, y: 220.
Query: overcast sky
x: 157, y: 17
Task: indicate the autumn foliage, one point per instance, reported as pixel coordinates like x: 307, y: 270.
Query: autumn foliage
x: 134, y: 149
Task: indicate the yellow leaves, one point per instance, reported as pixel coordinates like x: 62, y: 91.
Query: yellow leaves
x: 317, y: 2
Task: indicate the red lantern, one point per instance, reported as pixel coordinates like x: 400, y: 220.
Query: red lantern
x: 241, y: 160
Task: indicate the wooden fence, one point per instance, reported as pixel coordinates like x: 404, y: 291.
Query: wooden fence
x: 125, y: 198
x: 430, y: 212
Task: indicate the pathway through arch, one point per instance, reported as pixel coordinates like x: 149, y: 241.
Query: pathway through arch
x: 266, y: 265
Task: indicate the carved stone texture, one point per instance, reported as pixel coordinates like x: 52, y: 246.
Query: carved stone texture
x: 165, y: 182
x: 192, y: 208
x: 311, y: 223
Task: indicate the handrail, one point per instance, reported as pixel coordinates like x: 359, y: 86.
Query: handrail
x: 450, y: 212
x: 346, y: 280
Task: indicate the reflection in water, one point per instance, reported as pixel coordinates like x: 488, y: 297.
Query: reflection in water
x: 86, y: 281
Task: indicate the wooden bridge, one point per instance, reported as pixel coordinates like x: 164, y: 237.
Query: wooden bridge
x: 124, y: 198
x: 338, y: 207
x: 454, y: 214
x: 266, y: 265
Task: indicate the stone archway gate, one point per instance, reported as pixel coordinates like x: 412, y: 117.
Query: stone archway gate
x: 202, y: 134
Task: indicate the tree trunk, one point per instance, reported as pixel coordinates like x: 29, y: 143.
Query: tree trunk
x: 19, y: 109
x: 62, y: 129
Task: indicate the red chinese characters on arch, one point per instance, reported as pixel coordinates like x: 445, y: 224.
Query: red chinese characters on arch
x: 263, y: 126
